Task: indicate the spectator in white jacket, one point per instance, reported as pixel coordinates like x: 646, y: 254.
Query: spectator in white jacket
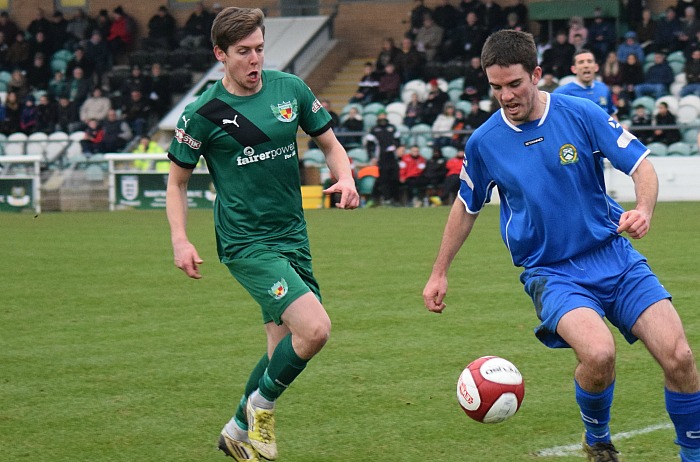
x: 442, y: 127
x: 95, y: 107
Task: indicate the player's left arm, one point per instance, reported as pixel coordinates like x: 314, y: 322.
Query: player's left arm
x: 636, y: 222
x: 339, y: 165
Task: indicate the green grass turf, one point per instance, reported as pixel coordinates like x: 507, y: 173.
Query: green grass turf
x: 109, y: 353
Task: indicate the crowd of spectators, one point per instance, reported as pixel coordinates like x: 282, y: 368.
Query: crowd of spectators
x: 59, y: 73
x: 455, y: 34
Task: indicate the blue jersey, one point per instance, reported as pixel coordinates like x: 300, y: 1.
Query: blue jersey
x: 598, y: 92
x: 549, y: 174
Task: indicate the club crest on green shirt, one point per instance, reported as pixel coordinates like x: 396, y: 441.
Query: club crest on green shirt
x: 285, y: 111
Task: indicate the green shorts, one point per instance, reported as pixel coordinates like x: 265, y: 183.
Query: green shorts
x: 275, y: 278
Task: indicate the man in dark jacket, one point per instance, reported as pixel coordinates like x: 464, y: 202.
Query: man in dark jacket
x: 656, y: 79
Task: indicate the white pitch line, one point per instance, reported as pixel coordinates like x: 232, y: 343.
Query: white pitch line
x: 573, y: 449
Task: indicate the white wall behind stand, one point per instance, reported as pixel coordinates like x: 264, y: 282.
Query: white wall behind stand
x: 679, y: 180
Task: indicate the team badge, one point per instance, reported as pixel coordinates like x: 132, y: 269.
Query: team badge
x: 286, y: 111
x: 568, y: 154
x: 130, y: 187
x: 18, y: 197
x: 278, y: 290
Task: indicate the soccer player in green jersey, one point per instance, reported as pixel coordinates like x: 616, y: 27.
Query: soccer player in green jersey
x: 245, y: 127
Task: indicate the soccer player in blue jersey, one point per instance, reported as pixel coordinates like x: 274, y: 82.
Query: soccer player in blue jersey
x: 545, y: 153
x: 245, y: 126
x: 586, y: 85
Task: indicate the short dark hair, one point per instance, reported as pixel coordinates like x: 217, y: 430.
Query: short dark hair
x: 233, y: 24
x: 509, y: 47
x: 582, y: 51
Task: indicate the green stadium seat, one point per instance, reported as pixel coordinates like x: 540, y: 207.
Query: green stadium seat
x: 679, y: 149
x: 449, y: 152
x: 647, y: 101
x: 58, y: 65
x: 347, y: 107
x: 369, y: 120
x: 657, y: 149
x: 675, y: 57
x: 465, y: 106
x: 359, y: 155
x: 63, y: 54
x: 365, y: 185
x: 690, y: 135
x: 422, y: 129
x: 457, y: 83
x: 677, y: 66
x: 314, y: 157
x: 454, y: 94
x: 373, y: 108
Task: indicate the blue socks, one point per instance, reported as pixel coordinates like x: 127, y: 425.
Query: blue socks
x: 684, y: 410
x: 595, y: 413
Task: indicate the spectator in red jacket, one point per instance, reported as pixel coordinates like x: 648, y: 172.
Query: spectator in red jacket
x: 94, y: 135
x: 411, y: 167
x: 451, y: 184
x: 121, y: 32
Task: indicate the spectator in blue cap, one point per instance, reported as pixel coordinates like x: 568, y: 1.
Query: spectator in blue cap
x: 630, y: 46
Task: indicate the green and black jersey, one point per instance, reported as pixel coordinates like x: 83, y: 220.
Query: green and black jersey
x: 249, y: 144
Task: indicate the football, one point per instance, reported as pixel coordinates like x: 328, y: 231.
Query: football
x: 490, y: 389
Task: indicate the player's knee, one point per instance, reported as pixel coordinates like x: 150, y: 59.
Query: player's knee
x: 600, y: 359
x: 681, y: 361
x: 316, y: 335
x: 321, y: 332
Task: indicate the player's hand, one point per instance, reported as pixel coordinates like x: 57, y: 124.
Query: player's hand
x: 349, y: 198
x: 635, y: 223
x: 187, y: 259
x: 434, y: 294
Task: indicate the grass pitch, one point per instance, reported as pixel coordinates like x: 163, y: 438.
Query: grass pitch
x: 109, y: 353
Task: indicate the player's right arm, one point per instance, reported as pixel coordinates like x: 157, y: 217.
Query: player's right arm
x: 636, y: 222
x: 185, y: 254
x: 458, y: 227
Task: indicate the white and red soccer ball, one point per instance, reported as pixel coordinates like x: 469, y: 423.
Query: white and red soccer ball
x: 490, y: 389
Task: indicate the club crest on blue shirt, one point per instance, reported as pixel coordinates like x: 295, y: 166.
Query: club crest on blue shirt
x: 286, y: 111
x: 568, y: 154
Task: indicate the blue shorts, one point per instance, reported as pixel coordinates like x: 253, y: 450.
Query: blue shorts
x: 613, y: 279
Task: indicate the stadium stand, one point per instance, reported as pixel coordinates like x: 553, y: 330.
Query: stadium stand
x: 679, y: 148
x: 314, y: 158
x: 16, y: 144
x: 658, y: 149
x: 298, y: 45
x: 359, y: 156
